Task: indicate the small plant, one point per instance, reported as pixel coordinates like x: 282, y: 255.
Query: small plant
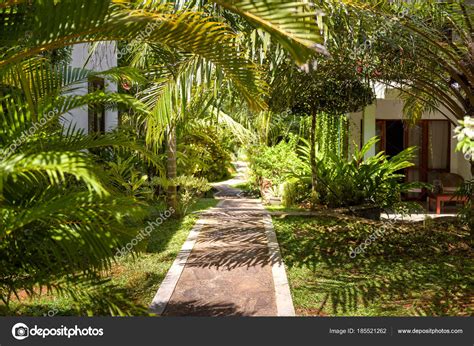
x: 206, y: 153
x: 131, y: 181
x: 467, y: 212
x: 294, y: 192
x: 190, y: 189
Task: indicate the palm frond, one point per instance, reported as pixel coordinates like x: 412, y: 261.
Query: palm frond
x: 293, y: 24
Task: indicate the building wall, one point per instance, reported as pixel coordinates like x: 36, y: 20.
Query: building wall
x: 355, y: 131
x: 103, y: 58
x: 391, y: 108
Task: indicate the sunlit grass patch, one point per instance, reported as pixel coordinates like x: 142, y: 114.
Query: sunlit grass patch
x: 413, y: 269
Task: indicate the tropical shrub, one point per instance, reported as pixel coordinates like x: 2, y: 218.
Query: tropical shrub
x: 376, y: 180
x: 205, y: 154
x: 190, y: 189
x: 274, y: 163
x: 294, y: 192
x: 131, y: 173
x: 132, y: 182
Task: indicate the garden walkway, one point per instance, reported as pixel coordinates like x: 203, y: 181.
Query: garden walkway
x: 230, y: 264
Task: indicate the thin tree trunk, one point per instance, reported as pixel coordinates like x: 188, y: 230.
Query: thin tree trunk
x: 314, y: 172
x: 171, y: 171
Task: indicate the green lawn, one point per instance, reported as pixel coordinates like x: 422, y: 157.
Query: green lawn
x: 409, y: 269
x: 283, y: 209
x: 132, y: 282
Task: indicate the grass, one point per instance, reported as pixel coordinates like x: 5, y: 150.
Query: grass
x: 408, y: 270
x: 133, y: 281
x: 243, y: 186
x: 283, y: 209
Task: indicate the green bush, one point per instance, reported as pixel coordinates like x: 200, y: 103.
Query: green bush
x: 294, y: 192
x: 274, y: 163
x: 131, y: 181
x: 376, y: 180
x: 205, y: 155
x: 190, y: 189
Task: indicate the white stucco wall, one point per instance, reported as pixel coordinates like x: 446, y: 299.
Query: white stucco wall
x: 369, y: 116
x: 355, y: 131
x: 103, y: 58
x: 459, y: 164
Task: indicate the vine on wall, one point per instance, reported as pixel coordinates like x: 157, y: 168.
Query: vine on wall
x: 332, y: 134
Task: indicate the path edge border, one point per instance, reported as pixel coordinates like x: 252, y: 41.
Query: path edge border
x: 165, y: 291
x: 284, y: 301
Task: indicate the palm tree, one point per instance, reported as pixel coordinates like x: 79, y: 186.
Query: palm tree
x: 427, y: 52
x: 174, y: 72
x: 60, y: 220
x: 28, y: 29
x: 52, y: 190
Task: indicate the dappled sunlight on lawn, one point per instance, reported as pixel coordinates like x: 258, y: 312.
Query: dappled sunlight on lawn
x: 411, y: 269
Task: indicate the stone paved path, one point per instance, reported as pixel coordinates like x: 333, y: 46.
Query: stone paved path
x: 229, y: 270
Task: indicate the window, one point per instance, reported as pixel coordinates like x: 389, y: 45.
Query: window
x: 438, y: 146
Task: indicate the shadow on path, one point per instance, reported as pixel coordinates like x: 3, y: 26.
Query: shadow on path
x: 229, y: 270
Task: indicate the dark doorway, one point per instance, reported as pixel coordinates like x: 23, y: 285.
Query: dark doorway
x: 395, y: 137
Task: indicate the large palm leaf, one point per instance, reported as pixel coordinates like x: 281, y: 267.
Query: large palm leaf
x: 294, y: 24
x: 50, y: 24
x: 186, y: 31
x: 60, y: 220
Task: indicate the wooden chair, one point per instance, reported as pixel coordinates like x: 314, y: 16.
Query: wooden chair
x: 447, y: 186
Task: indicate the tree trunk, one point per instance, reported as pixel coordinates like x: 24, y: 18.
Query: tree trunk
x: 171, y: 172
x: 312, y: 158
x: 472, y: 168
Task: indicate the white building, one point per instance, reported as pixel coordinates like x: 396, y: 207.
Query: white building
x: 103, y: 57
x: 433, y: 136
